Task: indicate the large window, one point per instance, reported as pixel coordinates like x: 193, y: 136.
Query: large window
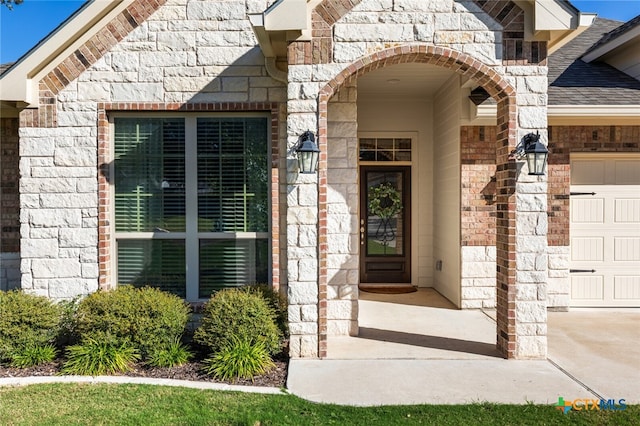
x: 191, y: 202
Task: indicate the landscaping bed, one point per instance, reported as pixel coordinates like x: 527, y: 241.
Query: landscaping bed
x: 276, y: 377
x: 240, y: 336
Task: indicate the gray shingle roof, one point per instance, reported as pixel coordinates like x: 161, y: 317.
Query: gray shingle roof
x: 617, y: 32
x: 575, y: 82
x: 4, y: 67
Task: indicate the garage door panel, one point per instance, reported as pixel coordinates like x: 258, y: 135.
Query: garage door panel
x: 588, y: 172
x: 627, y: 210
x: 626, y: 249
x: 589, y: 288
x: 605, y: 230
x: 627, y: 287
x: 589, y: 210
x: 627, y: 172
x: 585, y: 249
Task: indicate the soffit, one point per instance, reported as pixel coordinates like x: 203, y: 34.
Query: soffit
x: 411, y: 80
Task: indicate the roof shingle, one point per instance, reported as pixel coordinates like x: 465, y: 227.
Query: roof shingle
x: 575, y: 82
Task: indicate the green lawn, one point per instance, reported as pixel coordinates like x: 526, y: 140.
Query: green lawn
x: 106, y: 404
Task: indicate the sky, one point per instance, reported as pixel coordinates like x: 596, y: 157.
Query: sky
x: 28, y: 23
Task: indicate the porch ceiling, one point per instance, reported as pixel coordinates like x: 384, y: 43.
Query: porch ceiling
x: 403, y: 81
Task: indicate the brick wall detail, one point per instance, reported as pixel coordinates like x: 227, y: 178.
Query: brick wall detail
x: 9, y: 181
x: 9, y: 204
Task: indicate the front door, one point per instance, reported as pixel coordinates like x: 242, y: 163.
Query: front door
x: 385, y: 224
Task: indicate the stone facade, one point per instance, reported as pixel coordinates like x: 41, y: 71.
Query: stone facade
x: 460, y: 29
x: 194, y: 52
x: 193, y: 55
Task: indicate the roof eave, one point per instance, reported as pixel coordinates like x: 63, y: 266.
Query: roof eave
x: 284, y: 21
x: 605, y: 48
x: 553, y: 21
x: 19, y: 84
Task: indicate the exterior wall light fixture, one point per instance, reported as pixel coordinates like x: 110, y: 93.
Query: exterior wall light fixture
x: 308, y: 153
x: 534, y: 151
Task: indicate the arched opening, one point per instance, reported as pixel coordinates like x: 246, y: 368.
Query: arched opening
x: 345, y: 122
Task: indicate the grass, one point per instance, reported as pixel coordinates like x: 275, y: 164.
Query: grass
x: 108, y: 404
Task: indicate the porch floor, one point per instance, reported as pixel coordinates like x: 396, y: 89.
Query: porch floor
x: 419, y: 325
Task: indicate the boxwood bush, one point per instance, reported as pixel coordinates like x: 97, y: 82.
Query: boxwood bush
x: 27, y: 321
x: 144, y: 318
x: 242, y: 314
x: 277, y: 302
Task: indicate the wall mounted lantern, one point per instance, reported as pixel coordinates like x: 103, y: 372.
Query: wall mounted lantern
x: 535, y: 152
x: 308, y: 153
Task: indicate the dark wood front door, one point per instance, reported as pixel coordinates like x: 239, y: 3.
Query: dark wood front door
x: 385, y: 224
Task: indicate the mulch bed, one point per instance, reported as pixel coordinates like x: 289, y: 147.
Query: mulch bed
x: 276, y: 377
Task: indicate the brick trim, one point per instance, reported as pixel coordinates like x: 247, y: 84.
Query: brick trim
x: 515, y: 50
x: 104, y: 150
x: 9, y: 185
x: 505, y: 141
x: 85, y: 56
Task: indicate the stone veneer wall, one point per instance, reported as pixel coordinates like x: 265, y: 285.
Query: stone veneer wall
x: 9, y: 205
x: 342, y: 213
x: 186, y: 52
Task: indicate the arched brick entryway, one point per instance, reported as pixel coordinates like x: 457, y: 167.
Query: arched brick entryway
x: 504, y: 94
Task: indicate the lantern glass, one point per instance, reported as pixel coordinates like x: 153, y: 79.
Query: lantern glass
x: 536, y: 154
x: 537, y: 162
x: 307, y: 161
x: 308, y: 154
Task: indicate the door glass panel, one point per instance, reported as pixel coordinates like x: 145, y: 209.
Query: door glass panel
x: 385, y: 230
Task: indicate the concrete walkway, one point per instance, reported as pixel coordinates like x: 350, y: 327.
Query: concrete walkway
x: 36, y: 380
x: 417, y: 348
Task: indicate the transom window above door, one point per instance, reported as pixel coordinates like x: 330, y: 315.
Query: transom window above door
x: 191, y: 202
x: 385, y: 149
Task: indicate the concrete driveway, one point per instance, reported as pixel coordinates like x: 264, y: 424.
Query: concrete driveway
x: 599, y: 348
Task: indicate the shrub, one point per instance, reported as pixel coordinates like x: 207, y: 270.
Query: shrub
x: 239, y: 359
x: 94, y: 358
x: 26, y: 321
x: 237, y: 313
x: 31, y: 356
x: 145, y: 318
x: 277, y: 302
x: 172, y: 355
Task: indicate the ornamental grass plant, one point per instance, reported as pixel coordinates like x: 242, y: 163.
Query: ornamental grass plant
x: 95, y: 358
x: 240, y: 358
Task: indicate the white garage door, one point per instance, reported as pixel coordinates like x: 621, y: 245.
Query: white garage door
x: 605, y: 230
